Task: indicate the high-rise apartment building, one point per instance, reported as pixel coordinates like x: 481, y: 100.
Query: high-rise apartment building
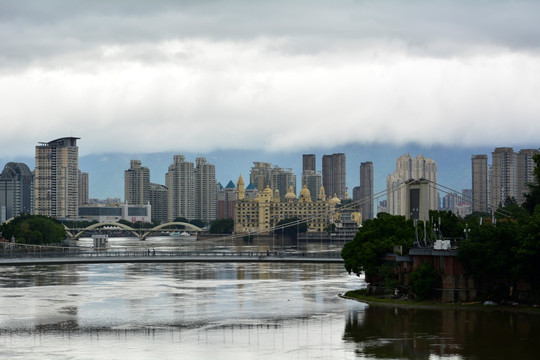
x: 308, y: 163
x: 205, y: 190
x: 137, y: 184
x: 525, y: 167
x: 334, y: 174
x: 260, y: 175
x: 407, y: 169
x: 263, y: 174
x: 180, y: 180
x: 366, y: 190
x: 84, y: 189
x: 158, y: 202
x: 480, y: 183
x: 503, y: 176
x: 56, y: 178
x: 510, y: 174
x: 227, y: 197
x: 16, y: 190
x: 310, y: 177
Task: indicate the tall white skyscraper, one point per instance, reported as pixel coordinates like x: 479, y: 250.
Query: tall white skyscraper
x: 408, y: 168
x: 180, y: 181
x: 137, y: 184
x: 205, y: 190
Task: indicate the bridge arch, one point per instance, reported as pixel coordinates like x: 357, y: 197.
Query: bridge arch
x: 162, y: 226
x: 98, y: 225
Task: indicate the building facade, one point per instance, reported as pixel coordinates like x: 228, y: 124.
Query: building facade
x: 84, y: 188
x: 408, y: 169
x: 480, y: 201
x: 503, y: 176
x: 132, y: 213
x: 263, y: 175
x: 137, y: 184
x: 180, y: 180
x: 366, y: 190
x: 334, y: 175
x: 261, y: 214
x: 56, y: 178
x: 158, y: 202
x: 16, y: 190
x: 525, y: 167
x: 510, y: 174
x: 205, y: 191
x: 226, y: 201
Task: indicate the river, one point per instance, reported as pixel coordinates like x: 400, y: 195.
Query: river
x: 234, y: 311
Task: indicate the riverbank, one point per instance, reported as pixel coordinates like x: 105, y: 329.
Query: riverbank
x: 360, y: 295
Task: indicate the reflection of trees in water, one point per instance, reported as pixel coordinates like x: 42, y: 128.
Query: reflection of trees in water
x: 384, y: 332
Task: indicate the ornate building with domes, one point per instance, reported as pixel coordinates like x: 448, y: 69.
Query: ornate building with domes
x: 263, y: 212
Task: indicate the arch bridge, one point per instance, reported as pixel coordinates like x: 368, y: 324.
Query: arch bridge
x: 140, y: 233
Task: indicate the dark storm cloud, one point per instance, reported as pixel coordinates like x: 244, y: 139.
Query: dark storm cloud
x: 32, y: 30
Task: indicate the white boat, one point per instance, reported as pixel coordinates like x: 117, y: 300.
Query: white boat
x: 183, y: 234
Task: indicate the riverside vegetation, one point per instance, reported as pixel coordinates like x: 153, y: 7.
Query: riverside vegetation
x: 502, y: 254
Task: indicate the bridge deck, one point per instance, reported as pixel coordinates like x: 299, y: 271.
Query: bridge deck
x: 165, y: 257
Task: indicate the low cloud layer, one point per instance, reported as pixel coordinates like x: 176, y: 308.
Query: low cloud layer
x: 192, y: 76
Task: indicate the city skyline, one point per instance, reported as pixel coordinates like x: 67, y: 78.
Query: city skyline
x: 107, y: 181
x: 205, y: 77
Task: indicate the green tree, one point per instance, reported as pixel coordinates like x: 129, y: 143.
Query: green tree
x: 423, y: 280
x: 198, y: 223
x: 292, y: 227
x: 34, y: 229
x: 451, y: 226
x: 375, y: 238
x: 222, y: 226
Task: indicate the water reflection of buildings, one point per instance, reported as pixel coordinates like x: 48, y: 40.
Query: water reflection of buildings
x: 389, y: 332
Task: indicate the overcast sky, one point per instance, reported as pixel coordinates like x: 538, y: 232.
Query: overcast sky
x: 149, y: 76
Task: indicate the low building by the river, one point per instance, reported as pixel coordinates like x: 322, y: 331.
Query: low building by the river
x: 126, y: 212
x: 456, y: 285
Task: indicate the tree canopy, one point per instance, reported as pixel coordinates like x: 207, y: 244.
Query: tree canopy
x: 222, y: 226
x: 34, y: 229
x: 375, y: 238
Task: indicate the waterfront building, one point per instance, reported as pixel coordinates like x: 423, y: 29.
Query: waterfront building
x: 263, y: 212
x: 137, y: 184
x: 84, y: 188
x: 205, y: 191
x: 56, y: 178
x: 180, y: 180
x: 408, y: 169
x: 366, y: 190
x: 16, y: 190
x: 226, y: 201
x: 334, y: 174
x: 158, y: 202
x: 132, y: 213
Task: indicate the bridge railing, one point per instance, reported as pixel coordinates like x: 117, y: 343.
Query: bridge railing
x: 139, y: 253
